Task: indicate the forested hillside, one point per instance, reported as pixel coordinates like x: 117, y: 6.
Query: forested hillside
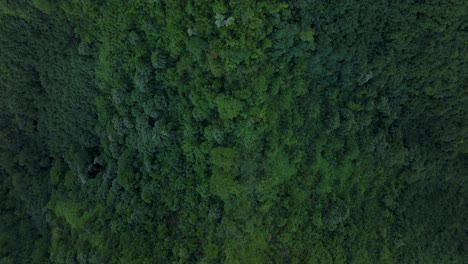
x: 247, y: 131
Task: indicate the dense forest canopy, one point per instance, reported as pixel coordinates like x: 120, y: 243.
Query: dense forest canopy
x: 166, y: 131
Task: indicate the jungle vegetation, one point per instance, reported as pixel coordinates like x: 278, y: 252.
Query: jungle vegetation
x: 246, y: 131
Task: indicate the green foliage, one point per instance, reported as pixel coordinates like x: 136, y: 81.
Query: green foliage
x: 45, y: 6
x: 125, y: 171
x: 228, y: 108
x: 233, y: 132
x: 308, y: 36
x: 56, y: 172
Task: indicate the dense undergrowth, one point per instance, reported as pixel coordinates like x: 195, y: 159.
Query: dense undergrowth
x: 233, y: 131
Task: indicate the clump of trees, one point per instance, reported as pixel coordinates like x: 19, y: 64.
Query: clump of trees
x: 237, y: 132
